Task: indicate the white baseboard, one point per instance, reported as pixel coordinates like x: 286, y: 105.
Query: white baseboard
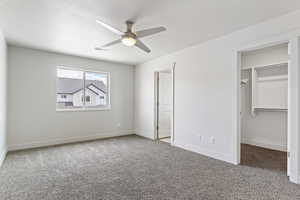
x: 261, y: 143
x: 15, y: 147
x: 294, y: 180
x: 2, y: 157
x: 206, y: 152
x: 148, y: 135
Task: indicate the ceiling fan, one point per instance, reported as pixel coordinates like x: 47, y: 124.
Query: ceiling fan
x: 130, y: 38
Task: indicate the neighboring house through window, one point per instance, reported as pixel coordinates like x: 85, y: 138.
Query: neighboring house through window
x: 87, y: 98
x: 81, y: 89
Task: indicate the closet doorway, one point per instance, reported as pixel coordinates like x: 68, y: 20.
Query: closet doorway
x: 164, y: 105
x: 264, y: 106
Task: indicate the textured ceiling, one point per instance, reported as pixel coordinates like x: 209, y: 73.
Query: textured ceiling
x: 68, y: 26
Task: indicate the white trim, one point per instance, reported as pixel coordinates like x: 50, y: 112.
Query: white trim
x: 83, y: 109
x: 293, y: 109
x: 103, y: 135
x: 237, y: 118
x: 148, y: 135
x: 2, y: 157
x: 260, y: 143
x: 173, y: 105
x: 206, y: 152
x: 293, y: 180
x: 81, y: 69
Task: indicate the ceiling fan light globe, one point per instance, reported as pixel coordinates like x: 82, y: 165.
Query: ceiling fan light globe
x: 128, y: 41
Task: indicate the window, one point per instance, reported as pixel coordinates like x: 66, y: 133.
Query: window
x: 78, y: 89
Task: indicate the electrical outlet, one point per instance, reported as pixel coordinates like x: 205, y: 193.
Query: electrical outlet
x: 119, y: 125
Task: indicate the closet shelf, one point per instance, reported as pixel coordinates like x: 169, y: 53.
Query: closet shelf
x: 272, y: 78
x: 279, y: 64
x: 271, y: 109
x: 268, y: 92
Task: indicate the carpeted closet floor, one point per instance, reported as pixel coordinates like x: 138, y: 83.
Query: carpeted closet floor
x: 134, y: 168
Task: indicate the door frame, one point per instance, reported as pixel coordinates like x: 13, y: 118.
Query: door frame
x: 156, y: 95
x: 293, y: 101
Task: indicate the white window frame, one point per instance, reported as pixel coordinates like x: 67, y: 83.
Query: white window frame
x: 84, y: 107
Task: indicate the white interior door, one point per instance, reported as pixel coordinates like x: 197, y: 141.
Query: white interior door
x: 164, y: 104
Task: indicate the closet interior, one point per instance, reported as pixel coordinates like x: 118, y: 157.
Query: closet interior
x: 264, y: 107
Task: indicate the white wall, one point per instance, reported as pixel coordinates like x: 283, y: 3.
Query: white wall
x: 206, y: 88
x: 3, y: 97
x: 268, y: 128
x: 33, y: 120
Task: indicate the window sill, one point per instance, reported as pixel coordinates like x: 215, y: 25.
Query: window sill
x: 82, y: 109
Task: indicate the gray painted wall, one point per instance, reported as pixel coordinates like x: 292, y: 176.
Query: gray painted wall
x: 33, y: 119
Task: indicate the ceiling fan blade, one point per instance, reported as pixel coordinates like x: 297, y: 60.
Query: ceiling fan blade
x: 142, y: 46
x: 151, y: 31
x: 109, y: 27
x: 100, y: 49
x: 112, y: 43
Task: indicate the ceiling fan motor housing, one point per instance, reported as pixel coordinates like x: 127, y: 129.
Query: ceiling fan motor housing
x: 129, y: 39
x: 129, y: 25
x: 129, y: 35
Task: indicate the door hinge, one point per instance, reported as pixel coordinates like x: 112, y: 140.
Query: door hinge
x: 288, y: 154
